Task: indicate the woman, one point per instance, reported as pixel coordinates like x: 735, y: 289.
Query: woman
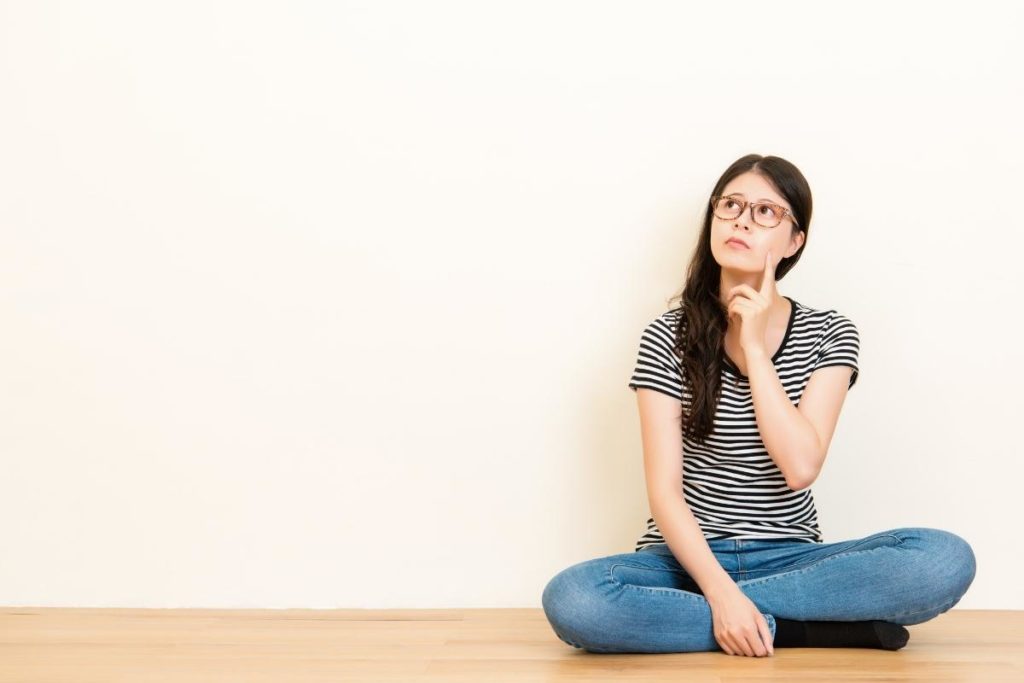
x: 739, y: 391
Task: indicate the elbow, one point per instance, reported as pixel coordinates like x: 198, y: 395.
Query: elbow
x: 798, y: 483
x: 807, y: 474
x: 801, y: 480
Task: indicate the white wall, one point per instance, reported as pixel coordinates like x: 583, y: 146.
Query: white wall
x: 334, y: 305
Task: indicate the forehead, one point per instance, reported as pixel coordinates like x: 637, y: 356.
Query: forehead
x: 753, y: 187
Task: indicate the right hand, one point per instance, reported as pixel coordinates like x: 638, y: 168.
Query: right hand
x: 740, y: 628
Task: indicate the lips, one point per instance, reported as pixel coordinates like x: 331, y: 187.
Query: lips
x: 737, y: 241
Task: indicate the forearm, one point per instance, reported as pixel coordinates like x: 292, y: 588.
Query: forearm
x: 686, y: 540
x: 788, y: 436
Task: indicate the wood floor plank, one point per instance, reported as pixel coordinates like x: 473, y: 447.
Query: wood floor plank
x: 50, y: 645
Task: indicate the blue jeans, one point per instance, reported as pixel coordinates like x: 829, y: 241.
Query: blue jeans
x: 646, y: 602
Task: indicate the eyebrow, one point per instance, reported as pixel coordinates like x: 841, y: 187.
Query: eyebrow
x: 762, y: 199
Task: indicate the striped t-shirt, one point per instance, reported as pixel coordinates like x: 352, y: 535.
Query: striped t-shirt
x: 731, y: 484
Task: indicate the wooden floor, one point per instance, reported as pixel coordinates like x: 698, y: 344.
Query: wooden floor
x: 294, y: 646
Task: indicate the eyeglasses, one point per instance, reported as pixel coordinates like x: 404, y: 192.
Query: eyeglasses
x: 765, y: 214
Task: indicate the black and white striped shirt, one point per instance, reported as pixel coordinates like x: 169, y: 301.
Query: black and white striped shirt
x: 731, y: 484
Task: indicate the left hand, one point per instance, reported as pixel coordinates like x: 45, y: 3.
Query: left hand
x: 752, y: 307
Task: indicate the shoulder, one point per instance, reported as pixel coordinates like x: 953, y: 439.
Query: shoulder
x: 658, y: 339
x: 664, y: 326
x: 823, y: 322
x: 670, y: 318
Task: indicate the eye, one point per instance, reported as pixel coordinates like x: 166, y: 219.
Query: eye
x: 729, y: 203
x: 766, y: 210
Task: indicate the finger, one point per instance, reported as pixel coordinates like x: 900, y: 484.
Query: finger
x: 739, y: 307
x: 747, y: 293
x: 737, y: 293
x: 745, y: 290
x: 757, y: 648
x: 757, y: 639
x: 768, y: 281
x: 766, y: 635
x: 744, y: 645
x: 734, y: 312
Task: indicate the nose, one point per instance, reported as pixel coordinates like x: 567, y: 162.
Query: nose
x: 743, y: 219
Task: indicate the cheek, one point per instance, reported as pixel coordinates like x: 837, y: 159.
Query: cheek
x: 778, y: 247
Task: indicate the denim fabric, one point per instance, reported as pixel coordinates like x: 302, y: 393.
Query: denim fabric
x: 644, y: 601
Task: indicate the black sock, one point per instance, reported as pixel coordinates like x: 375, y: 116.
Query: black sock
x: 882, y: 635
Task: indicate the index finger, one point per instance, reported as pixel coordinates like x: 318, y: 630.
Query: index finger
x: 768, y: 276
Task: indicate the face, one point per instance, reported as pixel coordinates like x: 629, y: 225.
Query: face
x: 780, y: 240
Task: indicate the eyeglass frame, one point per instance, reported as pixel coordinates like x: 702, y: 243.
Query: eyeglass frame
x: 743, y: 207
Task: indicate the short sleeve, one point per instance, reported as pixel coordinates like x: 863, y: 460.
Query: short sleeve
x: 840, y: 346
x: 657, y: 366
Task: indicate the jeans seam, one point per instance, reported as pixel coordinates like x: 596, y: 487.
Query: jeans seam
x: 814, y: 564
x: 852, y: 548
x: 678, y: 592
x: 941, y: 608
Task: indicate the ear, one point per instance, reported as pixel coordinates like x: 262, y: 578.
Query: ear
x: 795, y: 243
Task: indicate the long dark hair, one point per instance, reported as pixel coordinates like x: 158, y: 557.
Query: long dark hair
x: 699, y: 339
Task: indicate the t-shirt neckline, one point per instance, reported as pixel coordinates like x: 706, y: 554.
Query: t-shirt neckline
x: 731, y: 367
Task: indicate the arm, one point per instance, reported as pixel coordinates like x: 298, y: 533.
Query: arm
x: 797, y: 439
x: 663, y: 471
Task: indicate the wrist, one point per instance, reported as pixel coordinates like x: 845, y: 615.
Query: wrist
x: 754, y: 352
x: 719, y: 589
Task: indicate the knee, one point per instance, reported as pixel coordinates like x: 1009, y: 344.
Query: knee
x: 553, y: 597
x: 951, y: 564
x: 563, y: 597
x: 570, y: 605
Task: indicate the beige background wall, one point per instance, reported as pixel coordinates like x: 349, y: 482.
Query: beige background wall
x: 335, y: 304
